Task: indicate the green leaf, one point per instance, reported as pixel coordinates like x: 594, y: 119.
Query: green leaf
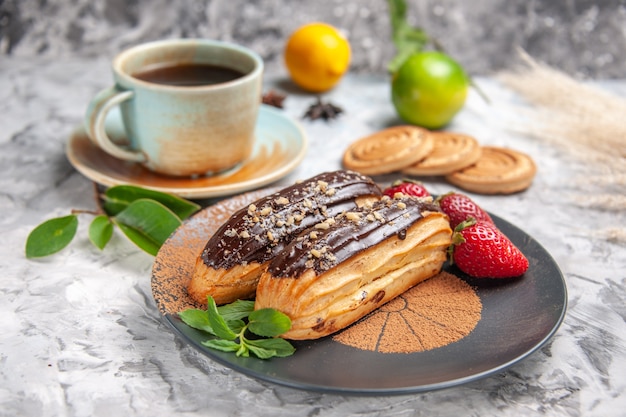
x: 243, y: 350
x: 236, y: 326
x: 221, y: 344
x: 407, y: 39
x: 236, y: 310
x: 261, y: 352
x: 226, y: 322
x: 51, y: 236
x: 119, y: 197
x: 268, y: 322
x: 218, y: 324
x: 266, y: 348
x: 147, y: 223
x: 196, y: 318
x: 100, y: 231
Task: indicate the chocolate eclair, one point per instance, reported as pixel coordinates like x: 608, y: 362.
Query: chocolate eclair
x: 345, y: 267
x: 232, y: 260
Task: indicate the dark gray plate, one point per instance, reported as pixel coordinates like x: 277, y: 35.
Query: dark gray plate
x: 518, y: 317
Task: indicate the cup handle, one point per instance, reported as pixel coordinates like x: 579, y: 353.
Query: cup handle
x: 95, y: 118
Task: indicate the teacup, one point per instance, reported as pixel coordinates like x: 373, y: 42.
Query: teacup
x: 189, y: 106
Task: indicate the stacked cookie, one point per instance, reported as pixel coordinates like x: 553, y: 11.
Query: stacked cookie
x: 459, y: 158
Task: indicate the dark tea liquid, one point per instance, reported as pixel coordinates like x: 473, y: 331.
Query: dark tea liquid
x: 188, y: 75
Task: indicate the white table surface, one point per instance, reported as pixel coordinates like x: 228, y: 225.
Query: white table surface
x: 80, y: 334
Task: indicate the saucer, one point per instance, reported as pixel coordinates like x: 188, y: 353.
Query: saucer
x: 279, y: 147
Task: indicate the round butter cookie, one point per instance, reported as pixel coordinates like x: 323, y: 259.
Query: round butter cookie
x: 498, y: 171
x: 388, y: 150
x: 452, y: 152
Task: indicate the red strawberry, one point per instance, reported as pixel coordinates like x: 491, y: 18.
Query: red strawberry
x: 407, y: 187
x: 481, y: 250
x: 460, y: 207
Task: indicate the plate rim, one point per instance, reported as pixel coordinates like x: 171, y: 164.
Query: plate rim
x: 222, y: 190
x: 176, y: 325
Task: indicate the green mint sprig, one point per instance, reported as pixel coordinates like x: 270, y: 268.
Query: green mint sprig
x: 146, y: 217
x: 239, y: 328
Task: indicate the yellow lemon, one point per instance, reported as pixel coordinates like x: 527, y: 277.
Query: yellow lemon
x: 317, y: 55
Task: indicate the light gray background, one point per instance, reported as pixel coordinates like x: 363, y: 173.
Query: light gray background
x: 80, y: 334
x: 582, y: 37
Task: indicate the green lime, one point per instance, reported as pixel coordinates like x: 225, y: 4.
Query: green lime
x: 429, y: 89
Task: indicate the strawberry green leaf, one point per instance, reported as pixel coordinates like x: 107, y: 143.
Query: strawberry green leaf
x: 100, y: 231
x: 51, y: 236
x: 147, y: 223
x: 268, y: 322
x: 119, y: 197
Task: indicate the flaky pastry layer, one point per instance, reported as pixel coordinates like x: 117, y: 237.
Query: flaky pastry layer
x: 320, y: 304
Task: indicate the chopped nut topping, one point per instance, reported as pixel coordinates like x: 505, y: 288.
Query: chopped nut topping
x: 325, y: 224
x: 316, y: 253
x: 266, y: 210
x: 244, y: 234
x: 282, y: 201
x: 355, y: 217
x: 313, y: 235
x: 401, y: 205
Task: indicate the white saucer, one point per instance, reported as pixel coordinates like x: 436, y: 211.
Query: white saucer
x: 280, y: 146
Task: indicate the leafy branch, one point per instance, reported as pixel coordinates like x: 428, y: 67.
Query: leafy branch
x: 236, y: 327
x: 146, y: 217
x: 409, y: 40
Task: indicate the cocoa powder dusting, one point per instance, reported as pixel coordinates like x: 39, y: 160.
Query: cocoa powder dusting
x: 433, y: 314
x: 175, y: 262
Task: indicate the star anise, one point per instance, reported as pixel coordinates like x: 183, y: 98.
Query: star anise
x: 322, y: 110
x: 273, y: 98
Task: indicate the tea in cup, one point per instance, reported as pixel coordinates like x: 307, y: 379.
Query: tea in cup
x: 189, y: 106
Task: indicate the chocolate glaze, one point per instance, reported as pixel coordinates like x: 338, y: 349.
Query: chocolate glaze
x: 322, y: 248
x: 257, y: 232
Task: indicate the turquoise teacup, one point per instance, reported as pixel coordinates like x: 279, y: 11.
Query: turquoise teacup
x: 189, y: 106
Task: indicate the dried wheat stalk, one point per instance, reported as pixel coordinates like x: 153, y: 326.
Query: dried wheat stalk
x: 587, y: 122
x: 571, y: 113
